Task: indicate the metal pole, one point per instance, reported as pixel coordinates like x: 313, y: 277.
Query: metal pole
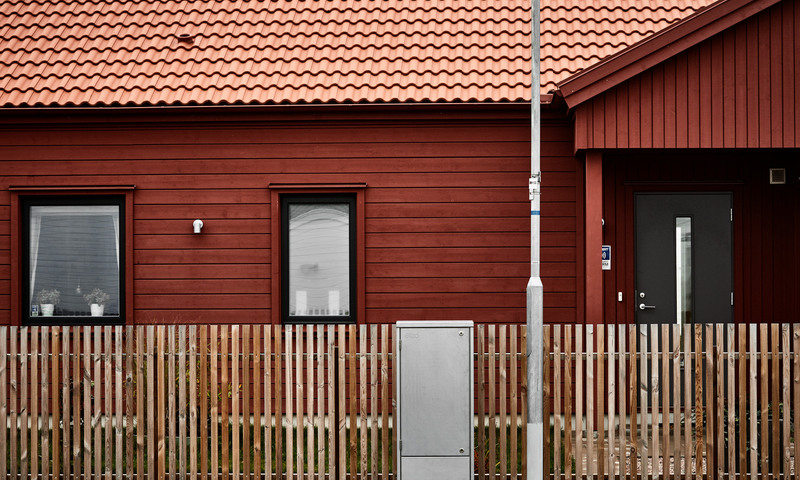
x: 535, y: 427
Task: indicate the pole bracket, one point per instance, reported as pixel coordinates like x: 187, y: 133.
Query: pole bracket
x: 534, y: 185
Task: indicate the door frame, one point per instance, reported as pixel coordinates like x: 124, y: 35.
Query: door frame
x: 624, y: 213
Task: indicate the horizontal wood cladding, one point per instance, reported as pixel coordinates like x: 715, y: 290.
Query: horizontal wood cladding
x: 447, y: 217
x: 738, y: 89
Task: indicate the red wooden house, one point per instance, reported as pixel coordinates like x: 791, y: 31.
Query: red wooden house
x: 367, y: 162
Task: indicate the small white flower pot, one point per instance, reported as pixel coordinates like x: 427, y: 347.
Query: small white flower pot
x: 97, y: 310
x: 47, y: 309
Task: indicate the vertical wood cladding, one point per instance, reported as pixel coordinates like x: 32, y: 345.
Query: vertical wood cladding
x: 447, y: 226
x: 738, y: 89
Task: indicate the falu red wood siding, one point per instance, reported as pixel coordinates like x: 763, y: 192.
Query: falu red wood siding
x: 446, y: 205
x: 738, y: 89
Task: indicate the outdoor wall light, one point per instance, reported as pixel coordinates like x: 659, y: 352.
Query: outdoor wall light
x: 198, y: 225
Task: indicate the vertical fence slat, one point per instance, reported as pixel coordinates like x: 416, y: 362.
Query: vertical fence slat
x: 752, y: 379
x: 299, y: 388
x: 481, y: 379
x: 300, y: 398
x: 774, y: 454
x: 279, y: 411
x: 666, y: 389
x: 688, y: 335
x: 171, y: 379
x: 373, y: 361
x: 796, y: 398
x: 524, y: 368
x: 152, y: 445
x: 288, y: 331
x: 612, y: 398
x: 491, y: 412
x: 579, y: 399
x: 634, y: 393
x: 502, y: 400
x: 215, y: 400
x: 362, y: 394
x: 268, y: 339
x: 133, y: 365
x: 742, y: 395
x: 568, y: 331
x: 35, y: 432
x: 118, y: 390
x: 785, y: 388
x: 203, y: 414
x: 47, y: 391
x: 764, y: 396
x: 109, y: 397
x: 675, y: 336
x: 310, y: 391
x: 514, y: 396
x: 13, y: 363
x: 235, y: 401
x: 353, y: 409
x: 590, y: 401
x: 719, y: 402
x: 654, y: 381
x: 4, y: 334
x: 224, y: 406
x: 731, y: 396
x: 182, y: 402
x: 342, y: 417
x: 709, y: 388
x: 97, y: 417
x: 385, y: 402
x: 600, y: 406
x: 545, y: 452
x: 698, y: 397
x: 622, y: 372
x: 55, y: 401
x: 144, y: 364
x: 246, y: 396
x: 193, y: 402
x: 321, y: 413
x: 86, y: 375
x: 258, y: 335
x: 24, y: 452
x: 332, y: 403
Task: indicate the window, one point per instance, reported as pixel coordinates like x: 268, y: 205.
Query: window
x: 318, y: 258
x: 72, y: 248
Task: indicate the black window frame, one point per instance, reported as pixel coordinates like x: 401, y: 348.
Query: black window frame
x: 295, y: 198
x: 26, y: 203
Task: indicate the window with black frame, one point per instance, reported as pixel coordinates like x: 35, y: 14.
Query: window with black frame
x: 72, y: 259
x: 318, y: 258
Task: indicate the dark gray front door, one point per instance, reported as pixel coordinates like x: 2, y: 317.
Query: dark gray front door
x: 683, y: 263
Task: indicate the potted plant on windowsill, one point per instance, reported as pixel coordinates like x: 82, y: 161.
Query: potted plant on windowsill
x: 97, y: 301
x: 47, y: 300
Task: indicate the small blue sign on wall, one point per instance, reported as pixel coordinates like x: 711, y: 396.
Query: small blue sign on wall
x: 606, y: 257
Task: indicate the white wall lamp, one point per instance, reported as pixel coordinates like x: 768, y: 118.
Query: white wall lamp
x: 198, y: 225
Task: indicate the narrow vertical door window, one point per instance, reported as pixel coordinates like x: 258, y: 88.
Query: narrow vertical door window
x: 683, y: 269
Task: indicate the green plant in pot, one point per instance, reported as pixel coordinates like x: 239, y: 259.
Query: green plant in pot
x: 97, y: 300
x: 47, y: 300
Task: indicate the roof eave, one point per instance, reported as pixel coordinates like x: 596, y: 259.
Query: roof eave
x: 657, y: 48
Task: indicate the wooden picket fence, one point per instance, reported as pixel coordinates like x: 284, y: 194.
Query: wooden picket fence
x: 225, y: 402
x: 659, y: 401
x: 718, y: 401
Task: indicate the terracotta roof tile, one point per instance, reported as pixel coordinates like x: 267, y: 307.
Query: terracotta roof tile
x: 100, y: 52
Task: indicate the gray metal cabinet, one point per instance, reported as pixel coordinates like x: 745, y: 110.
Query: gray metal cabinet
x: 435, y: 400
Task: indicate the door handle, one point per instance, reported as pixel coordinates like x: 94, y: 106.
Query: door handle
x: 642, y: 306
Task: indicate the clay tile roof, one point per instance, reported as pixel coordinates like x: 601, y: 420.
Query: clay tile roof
x: 171, y: 52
